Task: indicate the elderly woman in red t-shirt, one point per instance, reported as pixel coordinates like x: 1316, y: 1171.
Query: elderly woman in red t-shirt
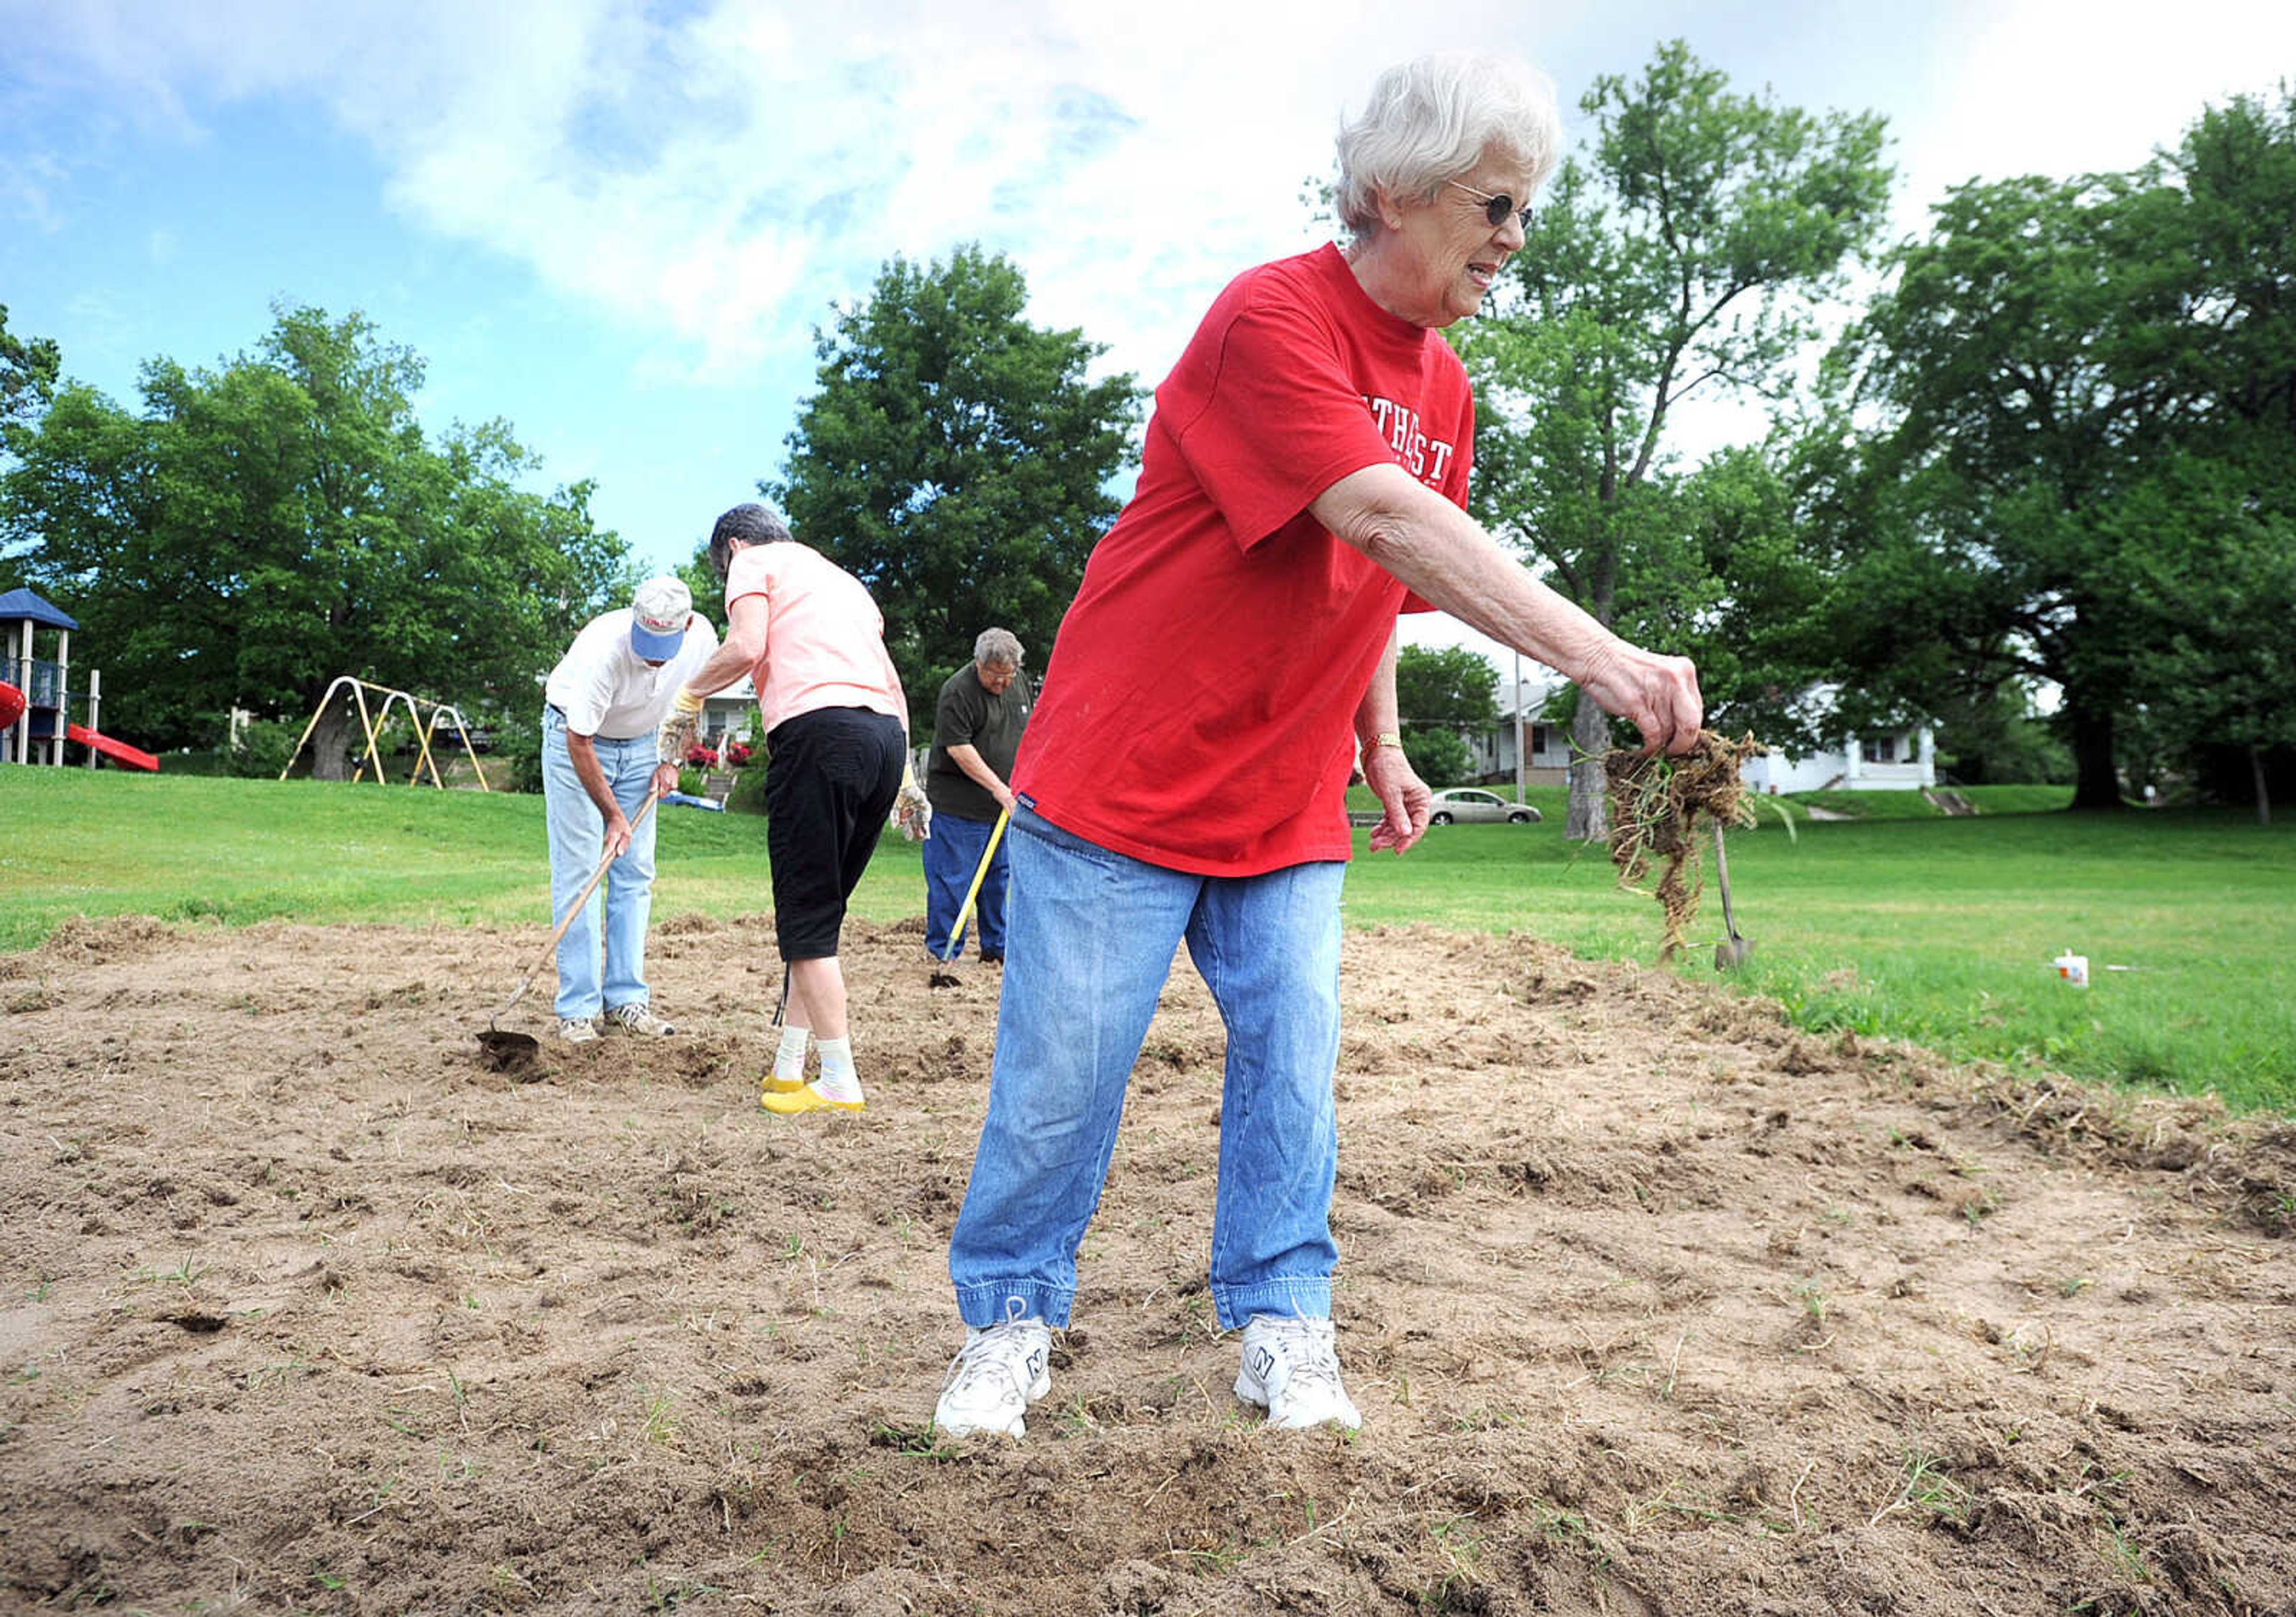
x: 1303, y: 482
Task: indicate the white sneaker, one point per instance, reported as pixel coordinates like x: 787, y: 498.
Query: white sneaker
x: 1291, y: 1371
x: 994, y: 1377
x: 579, y: 1029
x: 637, y: 1017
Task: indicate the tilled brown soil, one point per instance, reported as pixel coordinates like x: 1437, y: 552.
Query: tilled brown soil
x: 1652, y: 1303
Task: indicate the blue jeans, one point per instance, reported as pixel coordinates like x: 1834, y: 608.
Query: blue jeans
x: 1089, y: 951
x: 577, y: 841
x: 952, y: 854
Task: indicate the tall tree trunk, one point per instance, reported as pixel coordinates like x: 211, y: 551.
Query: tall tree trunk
x: 2096, y: 784
x: 2263, y: 792
x: 1589, y: 816
x: 332, y: 740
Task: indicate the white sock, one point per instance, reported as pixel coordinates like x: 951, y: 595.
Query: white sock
x: 789, y: 1061
x: 838, y: 1079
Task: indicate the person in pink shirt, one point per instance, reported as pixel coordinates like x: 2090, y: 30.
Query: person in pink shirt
x: 836, y: 726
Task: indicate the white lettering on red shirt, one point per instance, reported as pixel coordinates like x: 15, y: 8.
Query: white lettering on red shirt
x: 1424, y: 458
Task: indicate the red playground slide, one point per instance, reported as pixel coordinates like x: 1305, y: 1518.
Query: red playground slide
x: 135, y: 757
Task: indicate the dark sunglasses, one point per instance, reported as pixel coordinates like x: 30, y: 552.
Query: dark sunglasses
x: 1496, y: 209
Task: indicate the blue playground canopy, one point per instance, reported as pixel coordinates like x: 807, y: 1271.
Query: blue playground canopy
x: 17, y: 605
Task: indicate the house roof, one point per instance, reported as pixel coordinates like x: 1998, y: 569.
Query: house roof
x: 17, y: 605
x: 1529, y: 698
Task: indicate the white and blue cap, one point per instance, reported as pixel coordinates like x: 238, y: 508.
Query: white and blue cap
x: 658, y: 614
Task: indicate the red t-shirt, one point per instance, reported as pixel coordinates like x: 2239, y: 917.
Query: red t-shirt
x: 1198, y: 709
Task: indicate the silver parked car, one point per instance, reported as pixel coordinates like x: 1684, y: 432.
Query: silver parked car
x: 1470, y: 804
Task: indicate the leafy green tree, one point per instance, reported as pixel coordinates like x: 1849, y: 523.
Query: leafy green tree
x: 2009, y: 353
x: 1441, y: 693
x: 27, y: 378
x: 957, y: 459
x: 2229, y: 188
x: 1687, y: 252
x: 1439, y: 756
x: 2090, y: 389
x: 1994, y: 738
x: 2223, y: 669
x: 1449, y: 686
x: 260, y: 528
x: 1760, y: 624
x: 701, y: 580
x: 2228, y: 671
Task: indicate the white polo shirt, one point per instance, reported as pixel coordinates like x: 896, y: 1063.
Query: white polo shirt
x: 605, y: 689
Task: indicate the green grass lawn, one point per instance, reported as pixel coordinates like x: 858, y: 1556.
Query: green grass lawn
x: 1935, y: 929
x: 1941, y: 930
x: 191, y: 848
x: 1552, y: 800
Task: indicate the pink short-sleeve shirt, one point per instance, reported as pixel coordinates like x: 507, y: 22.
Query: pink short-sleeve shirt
x: 824, y: 637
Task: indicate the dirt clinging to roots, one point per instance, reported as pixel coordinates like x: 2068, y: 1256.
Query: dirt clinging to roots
x: 1653, y: 1305
x: 1657, y: 802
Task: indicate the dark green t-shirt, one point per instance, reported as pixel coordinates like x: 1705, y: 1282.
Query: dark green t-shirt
x: 991, y: 725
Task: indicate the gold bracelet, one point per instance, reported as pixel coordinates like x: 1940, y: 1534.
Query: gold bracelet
x: 1388, y: 737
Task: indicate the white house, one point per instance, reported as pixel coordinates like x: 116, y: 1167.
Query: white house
x: 731, y: 715
x: 1904, y: 759
x: 1897, y: 759
x: 1545, y: 745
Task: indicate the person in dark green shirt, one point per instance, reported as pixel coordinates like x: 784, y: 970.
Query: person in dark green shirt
x: 983, y: 709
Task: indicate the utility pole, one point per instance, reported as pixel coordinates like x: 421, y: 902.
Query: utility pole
x: 1520, y: 731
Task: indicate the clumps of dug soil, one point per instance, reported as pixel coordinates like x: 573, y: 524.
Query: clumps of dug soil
x: 1656, y: 804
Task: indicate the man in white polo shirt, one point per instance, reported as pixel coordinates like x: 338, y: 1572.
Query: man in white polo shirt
x: 605, y: 700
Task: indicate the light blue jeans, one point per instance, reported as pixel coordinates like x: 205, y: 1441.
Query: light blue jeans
x: 1089, y: 948
x: 577, y: 841
x: 952, y: 853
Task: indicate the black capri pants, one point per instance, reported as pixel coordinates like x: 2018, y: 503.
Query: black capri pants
x: 829, y: 786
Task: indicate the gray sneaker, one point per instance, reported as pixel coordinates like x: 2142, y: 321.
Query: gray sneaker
x: 1292, y: 1371
x: 579, y: 1029
x: 637, y: 1017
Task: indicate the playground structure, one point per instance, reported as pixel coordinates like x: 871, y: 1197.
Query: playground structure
x: 43, y: 725
x: 376, y: 723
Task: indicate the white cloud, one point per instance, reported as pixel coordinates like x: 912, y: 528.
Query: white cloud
x: 713, y: 179
x: 26, y: 184
x: 718, y: 178
x: 2062, y: 87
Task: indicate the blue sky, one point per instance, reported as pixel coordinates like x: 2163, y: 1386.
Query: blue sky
x: 618, y: 226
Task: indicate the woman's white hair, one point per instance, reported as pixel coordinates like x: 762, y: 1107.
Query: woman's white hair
x: 1432, y: 119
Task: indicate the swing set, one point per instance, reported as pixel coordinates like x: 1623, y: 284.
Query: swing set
x: 376, y: 723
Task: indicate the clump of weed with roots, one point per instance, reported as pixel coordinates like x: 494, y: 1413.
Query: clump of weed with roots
x: 1656, y: 804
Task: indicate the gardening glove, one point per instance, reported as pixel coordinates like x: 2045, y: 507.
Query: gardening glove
x: 680, y: 730
x: 911, y: 812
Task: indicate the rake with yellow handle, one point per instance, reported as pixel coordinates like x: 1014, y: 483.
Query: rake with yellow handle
x: 942, y: 979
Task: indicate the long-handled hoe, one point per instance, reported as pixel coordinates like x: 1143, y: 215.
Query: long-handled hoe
x: 507, y: 1051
